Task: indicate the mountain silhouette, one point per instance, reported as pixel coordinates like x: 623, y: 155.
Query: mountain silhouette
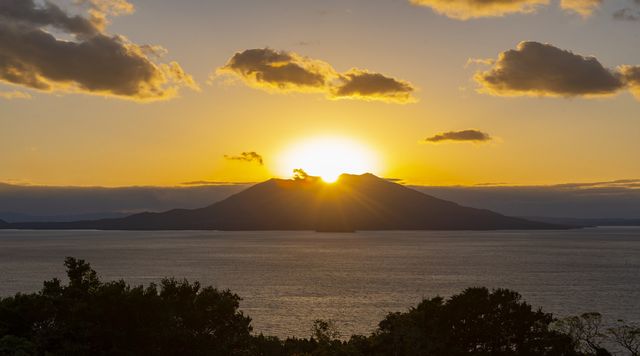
x: 354, y: 202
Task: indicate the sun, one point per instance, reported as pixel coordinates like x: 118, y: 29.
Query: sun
x: 328, y: 158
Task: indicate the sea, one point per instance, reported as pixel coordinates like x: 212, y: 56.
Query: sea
x: 289, y: 279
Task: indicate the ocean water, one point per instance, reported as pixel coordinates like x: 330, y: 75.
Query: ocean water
x: 288, y: 279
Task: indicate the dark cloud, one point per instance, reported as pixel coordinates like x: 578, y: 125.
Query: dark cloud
x: 26, y: 13
x: 91, y: 61
x: 616, y: 199
x: 460, y: 136
x: 544, y: 70
x: 300, y: 174
x: 395, y: 180
x: 360, y: 84
x: 283, y: 71
x: 279, y: 70
x: 614, y: 184
x: 75, y: 202
x: 630, y: 13
x: 247, y: 157
x: 213, y: 183
x: 627, y: 14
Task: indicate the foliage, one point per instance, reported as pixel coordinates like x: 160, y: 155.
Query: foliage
x: 475, y: 322
x: 91, y: 317
x: 585, y: 331
x: 627, y: 336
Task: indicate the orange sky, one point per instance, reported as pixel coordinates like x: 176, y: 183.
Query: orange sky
x: 382, y: 75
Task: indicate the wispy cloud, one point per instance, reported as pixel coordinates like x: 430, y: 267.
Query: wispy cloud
x: 100, y: 10
x: 605, y: 199
x: 627, y: 14
x: 247, y: 157
x: 468, y: 9
x: 582, y: 7
x: 16, y: 94
x: 213, y: 183
x: 617, y: 198
x: 90, y: 61
x: 618, y: 184
x: 460, y: 136
x: 283, y: 71
x: 471, y: 9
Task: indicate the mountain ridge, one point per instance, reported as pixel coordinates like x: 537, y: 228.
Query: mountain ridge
x: 354, y: 202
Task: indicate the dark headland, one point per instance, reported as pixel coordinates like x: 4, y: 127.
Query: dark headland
x: 354, y: 202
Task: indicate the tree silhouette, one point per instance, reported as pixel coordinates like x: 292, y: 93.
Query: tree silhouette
x: 627, y: 336
x: 475, y: 322
x: 586, y: 332
x: 91, y: 317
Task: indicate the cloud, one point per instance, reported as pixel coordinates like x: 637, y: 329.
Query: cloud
x: 31, y: 17
x: 247, y: 157
x: 283, y: 71
x: 361, y: 84
x: 56, y: 201
x: 468, y: 9
x: 279, y: 70
x: 16, y: 94
x: 99, y: 10
x: 214, y: 183
x: 395, y: 180
x: 537, y: 69
x: 301, y: 174
x: 460, y: 136
x: 615, y: 184
x: 582, y: 7
x: 631, y: 76
x: 627, y: 14
x: 88, y: 60
x: 616, y: 199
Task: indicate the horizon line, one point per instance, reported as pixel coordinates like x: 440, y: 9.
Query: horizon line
x: 627, y: 183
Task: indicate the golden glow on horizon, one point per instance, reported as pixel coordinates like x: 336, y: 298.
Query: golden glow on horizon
x: 67, y: 139
x: 328, y: 158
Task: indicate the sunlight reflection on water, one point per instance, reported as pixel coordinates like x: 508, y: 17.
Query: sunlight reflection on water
x: 288, y: 279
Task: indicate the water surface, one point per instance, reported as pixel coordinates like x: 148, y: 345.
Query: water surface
x: 288, y: 279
